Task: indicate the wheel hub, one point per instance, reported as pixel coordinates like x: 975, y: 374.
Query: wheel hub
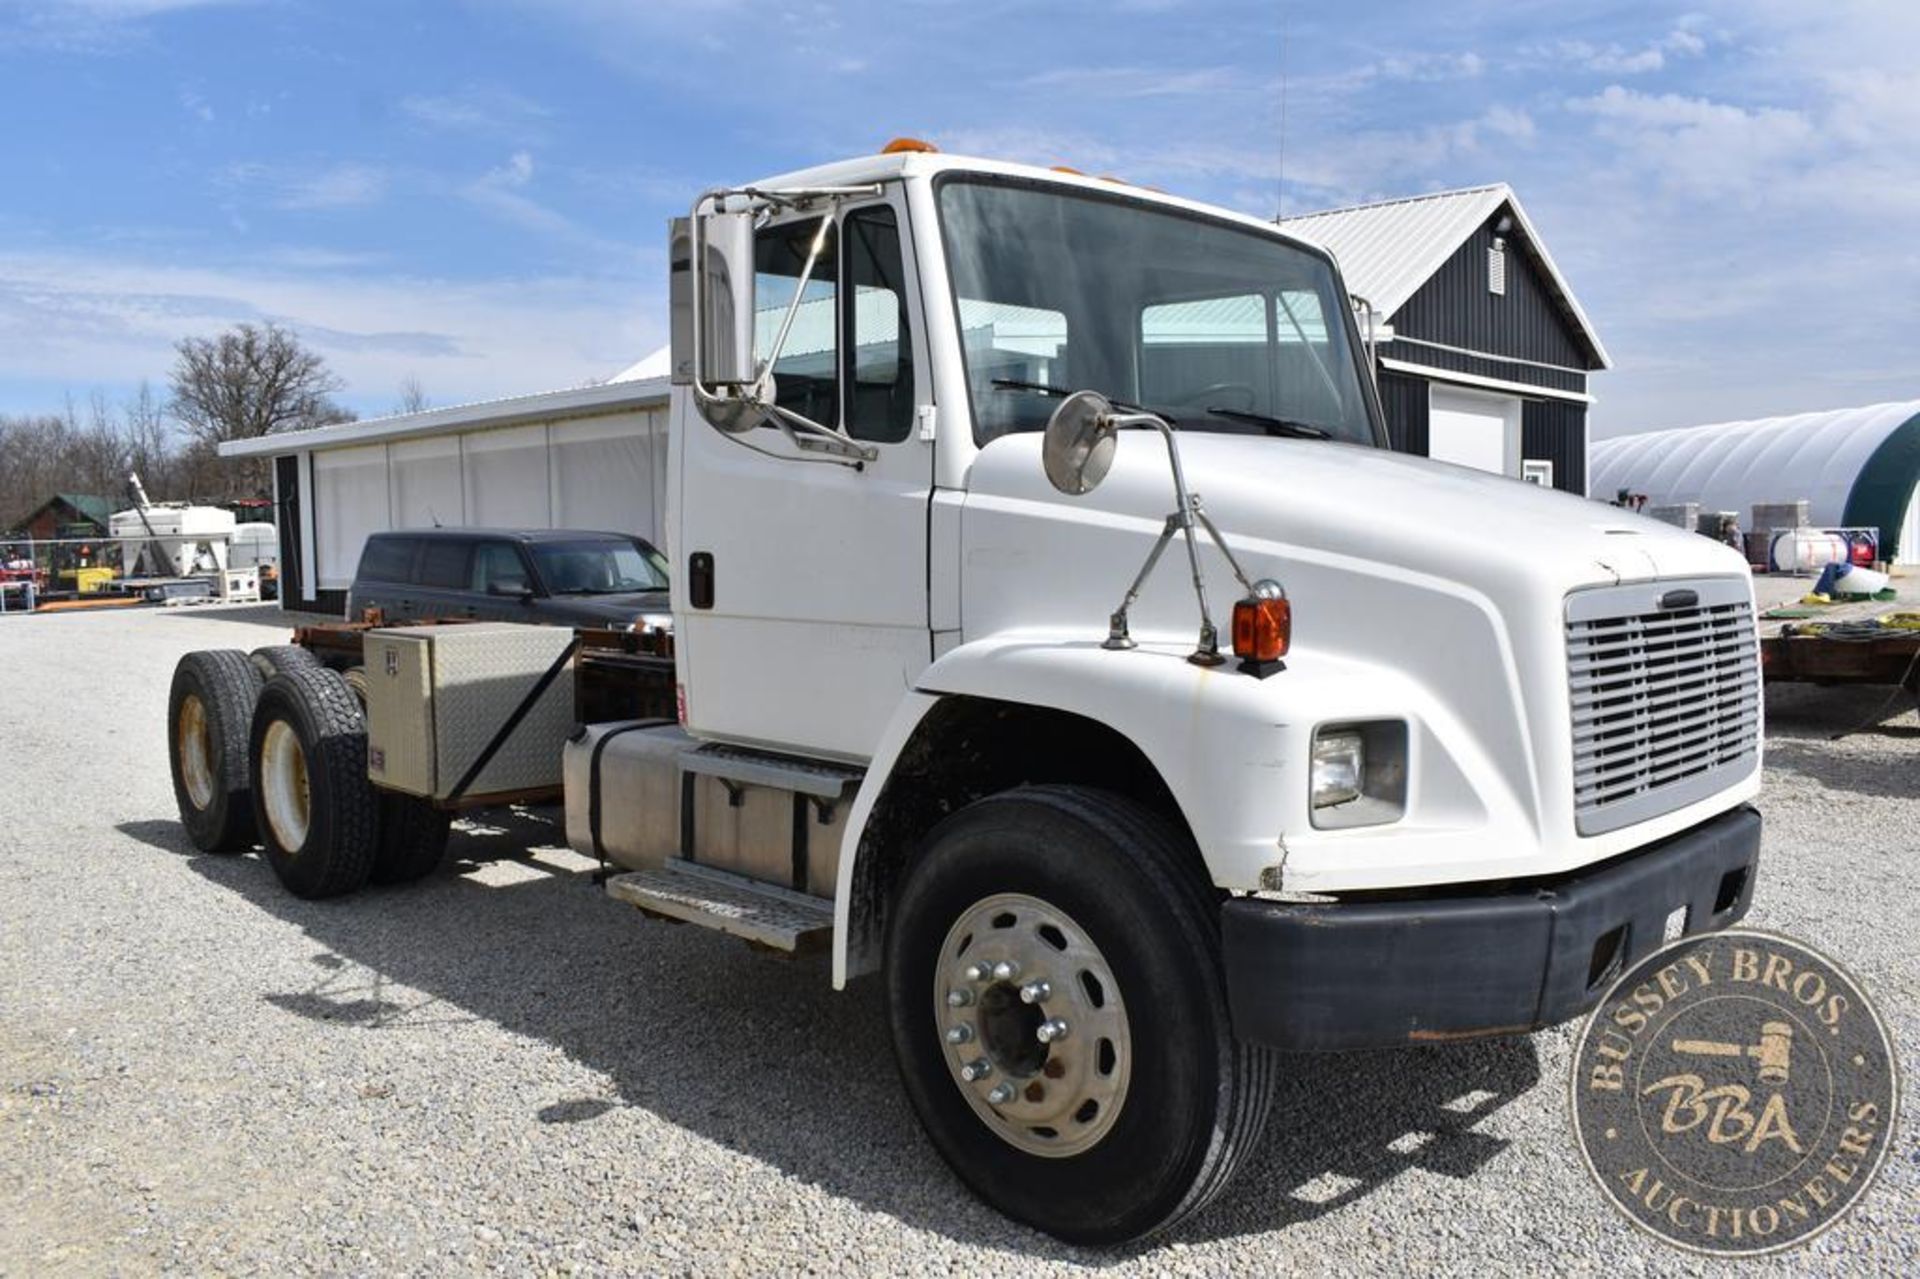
x: 195, y: 750
x: 284, y: 787
x: 1032, y: 1025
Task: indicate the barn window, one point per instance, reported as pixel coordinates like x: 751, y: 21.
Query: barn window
x: 1497, y: 270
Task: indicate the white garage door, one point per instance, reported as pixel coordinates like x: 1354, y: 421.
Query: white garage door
x: 1472, y: 428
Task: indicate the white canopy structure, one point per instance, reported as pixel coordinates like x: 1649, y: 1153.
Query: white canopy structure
x: 1856, y: 468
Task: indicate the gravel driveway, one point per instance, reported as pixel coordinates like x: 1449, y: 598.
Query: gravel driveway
x: 500, y: 1070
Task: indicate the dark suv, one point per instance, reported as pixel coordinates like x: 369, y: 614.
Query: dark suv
x: 564, y: 577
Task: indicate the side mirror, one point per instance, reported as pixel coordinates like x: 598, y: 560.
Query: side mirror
x: 713, y: 311
x: 1077, y: 449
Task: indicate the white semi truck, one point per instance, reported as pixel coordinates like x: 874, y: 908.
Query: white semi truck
x: 1384, y: 752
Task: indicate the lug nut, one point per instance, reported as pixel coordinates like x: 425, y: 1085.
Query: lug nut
x: 1035, y: 992
x: 1002, y: 1094
x: 1051, y: 1030
x: 959, y: 1034
x: 1006, y: 970
x: 978, y: 1068
x: 978, y: 972
x: 959, y: 998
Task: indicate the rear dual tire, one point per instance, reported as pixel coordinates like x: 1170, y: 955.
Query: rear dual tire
x: 269, y: 747
x: 317, y: 816
x: 274, y: 658
x: 209, y: 711
x: 413, y: 838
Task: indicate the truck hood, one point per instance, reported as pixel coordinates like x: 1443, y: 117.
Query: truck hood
x: 1432, y: 590
x: 1288, y: 502
x: 610, y: 610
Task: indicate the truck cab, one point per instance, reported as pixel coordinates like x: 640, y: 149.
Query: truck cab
x: 1512, y: 740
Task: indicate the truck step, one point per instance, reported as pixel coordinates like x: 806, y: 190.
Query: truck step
x: 762, y: 768
x: 762, y: 913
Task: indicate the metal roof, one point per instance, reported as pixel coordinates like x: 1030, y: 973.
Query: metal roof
x: 86, y: 505
x: 549, y: 406
x: 1388, y: 250
x: 1853, y: 466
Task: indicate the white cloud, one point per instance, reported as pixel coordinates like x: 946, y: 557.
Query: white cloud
x: 82, y: 317
x: 1370, y: 163
x: 89, y: 26
x: 1428, y: 66
x: 1681, y: 42
x: 196, y: 106
x: 489, y: 112
x: 1136, y: 82
x: 503, y: 192
x: 343, y: 185
x: 517, y: 172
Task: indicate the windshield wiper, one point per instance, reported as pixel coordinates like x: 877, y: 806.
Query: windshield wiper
x: 1015, y: 384
x: 1273, y: 425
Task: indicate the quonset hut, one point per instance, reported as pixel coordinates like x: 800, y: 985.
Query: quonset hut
x: 1855, y: 468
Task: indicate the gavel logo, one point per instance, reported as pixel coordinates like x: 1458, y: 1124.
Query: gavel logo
x: 1774, y: 1052
x: 1724, y: 1113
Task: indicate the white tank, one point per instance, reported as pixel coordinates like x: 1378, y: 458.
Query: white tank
x: 190, y: 539
x: 254, y: 544
x: 1806, y: 550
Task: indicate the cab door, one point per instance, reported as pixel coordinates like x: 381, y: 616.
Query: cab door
x: 801, y: 594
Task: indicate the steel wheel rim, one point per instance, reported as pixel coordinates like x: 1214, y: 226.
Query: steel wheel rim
x: 194, y: 747
x: 284, y: 788
x: 1032, y: 1025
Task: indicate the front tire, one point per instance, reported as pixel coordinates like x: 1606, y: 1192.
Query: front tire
x: 1087, y: 1080
x: 317, y: 814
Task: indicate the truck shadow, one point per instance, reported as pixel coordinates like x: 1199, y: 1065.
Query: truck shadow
x: 760, y: 1055
x: 1815, y: 713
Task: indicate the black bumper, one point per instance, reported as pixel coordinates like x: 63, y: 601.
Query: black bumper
x: 1372, y: 974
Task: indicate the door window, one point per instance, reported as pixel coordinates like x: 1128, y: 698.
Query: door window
x: 443, y: 565
x: 879, y: 343
x: 499, y: 570
x: 805, y: 374
x: 387, y: 559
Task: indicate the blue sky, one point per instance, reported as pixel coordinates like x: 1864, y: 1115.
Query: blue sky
x: 472, y: 193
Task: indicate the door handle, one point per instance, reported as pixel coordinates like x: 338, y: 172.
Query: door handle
x: 700, y: 579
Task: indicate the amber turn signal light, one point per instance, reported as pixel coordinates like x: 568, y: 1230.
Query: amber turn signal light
x: 1263, y: 629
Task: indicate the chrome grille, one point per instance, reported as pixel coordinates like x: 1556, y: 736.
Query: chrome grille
x: 1666, y: 701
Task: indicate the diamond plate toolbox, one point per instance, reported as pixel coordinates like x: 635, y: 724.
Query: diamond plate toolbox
x: 436, y: 695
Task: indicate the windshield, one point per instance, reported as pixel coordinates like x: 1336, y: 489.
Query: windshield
x: 600, y: 567
x: 1216, y: 328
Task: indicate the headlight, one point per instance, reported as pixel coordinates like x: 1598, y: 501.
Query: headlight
x: 1359, y: 774
x: 1339, y: 759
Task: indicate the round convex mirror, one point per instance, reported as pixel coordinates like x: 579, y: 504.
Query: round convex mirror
x: 1077, y: 449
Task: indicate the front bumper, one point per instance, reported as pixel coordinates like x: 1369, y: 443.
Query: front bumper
x: 1373, y: 974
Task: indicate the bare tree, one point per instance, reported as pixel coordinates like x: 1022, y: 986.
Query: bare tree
x: 148, y: 442
x: 87, y: 452
x: 413, y: 397
x: 250, y: 381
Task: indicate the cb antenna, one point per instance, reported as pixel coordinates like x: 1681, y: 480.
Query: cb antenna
x: 1280, y: 176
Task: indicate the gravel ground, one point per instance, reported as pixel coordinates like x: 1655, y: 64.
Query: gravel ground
x: 499, y: 1070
